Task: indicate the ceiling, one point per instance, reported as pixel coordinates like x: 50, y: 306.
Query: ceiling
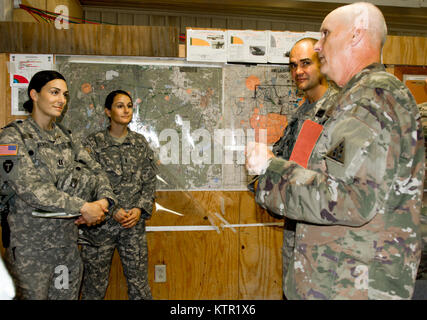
x: 409, y: 15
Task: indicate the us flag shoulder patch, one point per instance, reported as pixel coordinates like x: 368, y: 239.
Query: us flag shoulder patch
x: 8, y: 149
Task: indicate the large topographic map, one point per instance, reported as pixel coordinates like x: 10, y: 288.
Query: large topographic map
x: 196, y: 117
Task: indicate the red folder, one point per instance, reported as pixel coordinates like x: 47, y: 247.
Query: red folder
x: 307, y: 138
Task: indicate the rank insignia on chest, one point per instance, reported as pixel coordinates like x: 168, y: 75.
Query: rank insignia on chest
x: 337, y: 153
x: 60, y: 163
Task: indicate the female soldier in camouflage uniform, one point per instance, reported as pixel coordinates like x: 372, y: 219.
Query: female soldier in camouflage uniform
x: 128, y: 161
x: 47, y: 170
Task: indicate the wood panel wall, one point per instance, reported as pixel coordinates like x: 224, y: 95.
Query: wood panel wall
x: 244, y: 263
x: 405, y: 50
x: 182, y: 21
x: 88, y: 39
x: 304, y: 20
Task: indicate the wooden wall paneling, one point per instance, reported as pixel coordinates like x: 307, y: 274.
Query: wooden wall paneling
x: 278, y: 26
x: 260, y: 258
x: 249, y: 24
x: 220, y: 23
x: 142, y: 20
x: 5, y: 88
x: 88, y: 39
x: 234, y: 23
x: 174, y: 21
x: 92, y: 15
x: 82, y: 38
x: 5, y: 99
x: 203, y: 22
x: 157, y: 20
x: 165, y: 41
x: 200, y: 264
x: 405, y: 50
x: 109, y: 17
x: 125, y: 19
x: 264, y: 25
x: 111, y: 40
x: 187, y: 21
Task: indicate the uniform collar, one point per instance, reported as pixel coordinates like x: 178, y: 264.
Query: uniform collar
x: 374, y: 67
x: 53, y: 135
x: 108, y: 139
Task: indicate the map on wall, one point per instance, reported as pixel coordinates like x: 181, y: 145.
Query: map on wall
x: 191, y: 114
x: 256, y: 97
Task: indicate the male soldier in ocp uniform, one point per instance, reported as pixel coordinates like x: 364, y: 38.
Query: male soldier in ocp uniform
x: 420, y: 292
x: 305, y: 71
x: 355, y: 187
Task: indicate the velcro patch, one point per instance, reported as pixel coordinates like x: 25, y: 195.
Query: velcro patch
x: 8, y: 149
x: 337, y: 153
x: 306, y: 142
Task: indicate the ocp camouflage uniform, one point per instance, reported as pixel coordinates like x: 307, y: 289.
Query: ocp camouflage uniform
x: 422, y: 269
x: 41, y: 249
x: 283, y: 148
x: 132, y: 173
x: 358, y: 202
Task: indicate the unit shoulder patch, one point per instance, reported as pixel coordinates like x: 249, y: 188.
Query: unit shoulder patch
x: 337, y: 153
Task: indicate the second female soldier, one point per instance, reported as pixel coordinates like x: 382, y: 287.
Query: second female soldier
x: 128, y: 161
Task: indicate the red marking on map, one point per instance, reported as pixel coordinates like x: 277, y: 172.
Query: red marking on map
x: 252, y: 82
x: 274, y: 123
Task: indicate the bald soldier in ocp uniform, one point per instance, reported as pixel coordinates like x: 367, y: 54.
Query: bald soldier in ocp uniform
x: 355, y: 188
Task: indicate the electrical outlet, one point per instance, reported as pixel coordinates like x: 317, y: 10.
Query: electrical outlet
x: 160, y: 273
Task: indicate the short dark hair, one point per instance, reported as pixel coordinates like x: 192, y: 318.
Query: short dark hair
x: 37, y: 82
x: 110, y: 98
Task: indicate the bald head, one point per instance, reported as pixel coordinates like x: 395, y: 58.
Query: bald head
x: 352, y: 38
x: 364, y: 16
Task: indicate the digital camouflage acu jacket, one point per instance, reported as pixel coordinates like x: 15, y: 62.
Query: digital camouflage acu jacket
x: 358, y: 202
x: 129, y: 166
x: 39, y: 173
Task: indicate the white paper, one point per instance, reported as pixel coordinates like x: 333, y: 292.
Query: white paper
x: 281, y: 43
x: 47, y: 214
x: 18, y: 110
x: 247, y: 46
x: 24, y: 66
x: 206, y: 45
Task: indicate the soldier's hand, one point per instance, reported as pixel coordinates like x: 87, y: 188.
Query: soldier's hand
x: 120, y: 215
x: 92, y: 213
x: 132, y: 219
x: 257, y: 157
x: 80, y: 220
x: 103, y: 203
